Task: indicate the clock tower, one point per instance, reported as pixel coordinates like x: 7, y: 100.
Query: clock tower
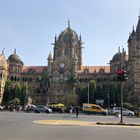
x: 67, y: 59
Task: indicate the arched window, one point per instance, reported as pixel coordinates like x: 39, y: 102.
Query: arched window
x: 67, y: 75
x: 12, y: 78
x: 66, y: 51
x: 56, y: 76
x: 15, y: 78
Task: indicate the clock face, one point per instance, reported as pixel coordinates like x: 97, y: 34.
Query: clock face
x: 62, y: 65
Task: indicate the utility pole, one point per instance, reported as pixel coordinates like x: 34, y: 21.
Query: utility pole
x: 88, y: 93
x: 121, y: 121
x: 108, y: 96
x: 121, y: 90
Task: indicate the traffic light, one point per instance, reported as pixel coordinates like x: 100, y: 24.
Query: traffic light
x: 122, y: 75
x: 125, y: 77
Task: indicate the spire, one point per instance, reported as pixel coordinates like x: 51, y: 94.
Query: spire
x: 123, y: 50
x: 139, y: 12
x: 119, y: 49
x: 80, y: 37
x: 15, y: 51
x: 55, y: 39
x: 133, y: 31
x: 50, y: 56
x: 138, y: 30
x: 68, y: 24
x: 3, y: 51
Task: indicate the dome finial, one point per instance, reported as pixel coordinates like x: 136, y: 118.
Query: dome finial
x: 139, y: 13
x: 133, y: 28
x: 55, y: 38
x: 119, y: 49
x: 3, y: 50
x: 68, y: 24
x: 15, y: 51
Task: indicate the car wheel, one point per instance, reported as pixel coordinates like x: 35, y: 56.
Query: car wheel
x: 130, y: 114
x: 117, y: 114
x: 37, y: 111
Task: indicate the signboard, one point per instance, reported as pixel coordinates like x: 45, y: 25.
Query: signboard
x: 99, y: 101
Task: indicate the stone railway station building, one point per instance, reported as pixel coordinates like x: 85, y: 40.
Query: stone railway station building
x: 48, y: 84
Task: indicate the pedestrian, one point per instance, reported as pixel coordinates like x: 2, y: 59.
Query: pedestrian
x: 77, y: 111
x: 71, y: 109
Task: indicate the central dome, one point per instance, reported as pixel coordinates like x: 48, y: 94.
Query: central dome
x: 68, y: 35
x: 117, y: 57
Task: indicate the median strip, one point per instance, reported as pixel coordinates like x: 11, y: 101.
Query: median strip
x: 120, y: 124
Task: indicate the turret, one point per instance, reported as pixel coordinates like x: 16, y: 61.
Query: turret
x: 74, y: 63
x: 138, y: 30
x: 50, y: 61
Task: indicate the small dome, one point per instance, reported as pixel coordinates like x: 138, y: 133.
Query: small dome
x: 14, y: 57
x: 116, y: 57
x: 68, y: 35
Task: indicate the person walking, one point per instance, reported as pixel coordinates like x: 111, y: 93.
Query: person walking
x: 77, y: 111
x: 71, y: 109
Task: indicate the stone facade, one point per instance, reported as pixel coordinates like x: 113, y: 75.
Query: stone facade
x: 48, y: 84
x: 3, y: 74
x: 134, y: 65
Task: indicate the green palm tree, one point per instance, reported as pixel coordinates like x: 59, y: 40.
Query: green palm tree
x: 72, y: 81
x: 92, y: 89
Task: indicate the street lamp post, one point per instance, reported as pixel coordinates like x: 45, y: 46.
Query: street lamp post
x: 108, y: 97
x: 121, y: 90
x: 88, y: 93
x: 121, y: 121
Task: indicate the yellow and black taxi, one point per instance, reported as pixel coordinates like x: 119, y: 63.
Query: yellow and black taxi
x: 93, y: 109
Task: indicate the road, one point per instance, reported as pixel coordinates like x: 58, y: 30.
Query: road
x: 21, y: 126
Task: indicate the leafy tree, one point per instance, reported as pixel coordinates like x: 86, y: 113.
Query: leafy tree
x: 71, y: 99
x: 23, y: 95
x: 17, y: 90
x: 72, y: 81
x: 8, y: 94
x: 16, y: 101
x: 92, y: 89
x: 82, y: 95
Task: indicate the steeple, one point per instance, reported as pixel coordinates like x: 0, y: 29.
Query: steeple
x: 15, y: 51
x: 50, y: 57
x: 138, y: 30
x: 68, y: 24
x: 133, y: 31
x: 55, y: 39
x: 3, y: 51
x: 119, y: 49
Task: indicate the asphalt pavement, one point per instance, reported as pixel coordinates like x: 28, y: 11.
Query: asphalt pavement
x: 22, y: 126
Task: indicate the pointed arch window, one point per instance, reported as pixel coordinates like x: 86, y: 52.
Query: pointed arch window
x: 138, y: 51
x: 56, y: 76
x: 66, y: 51
x: 67, y: 75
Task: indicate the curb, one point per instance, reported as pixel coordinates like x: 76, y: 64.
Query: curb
x: 122, y: 124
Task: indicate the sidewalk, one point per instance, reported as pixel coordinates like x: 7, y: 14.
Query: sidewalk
x: 119, y: 123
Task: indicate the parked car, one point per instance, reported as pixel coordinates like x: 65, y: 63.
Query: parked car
x: 93, y: 109
x: 125, y: 111
x: 58, y: 107
x: 29, y: 108
x: 1, y: 107
x: 42, y: 108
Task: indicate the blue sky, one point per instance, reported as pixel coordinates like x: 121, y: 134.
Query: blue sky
x: 30, y: 27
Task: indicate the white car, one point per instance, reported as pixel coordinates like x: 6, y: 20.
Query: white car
x: 42, y: 108
x: 1, y: 107
x: 125, y: 111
